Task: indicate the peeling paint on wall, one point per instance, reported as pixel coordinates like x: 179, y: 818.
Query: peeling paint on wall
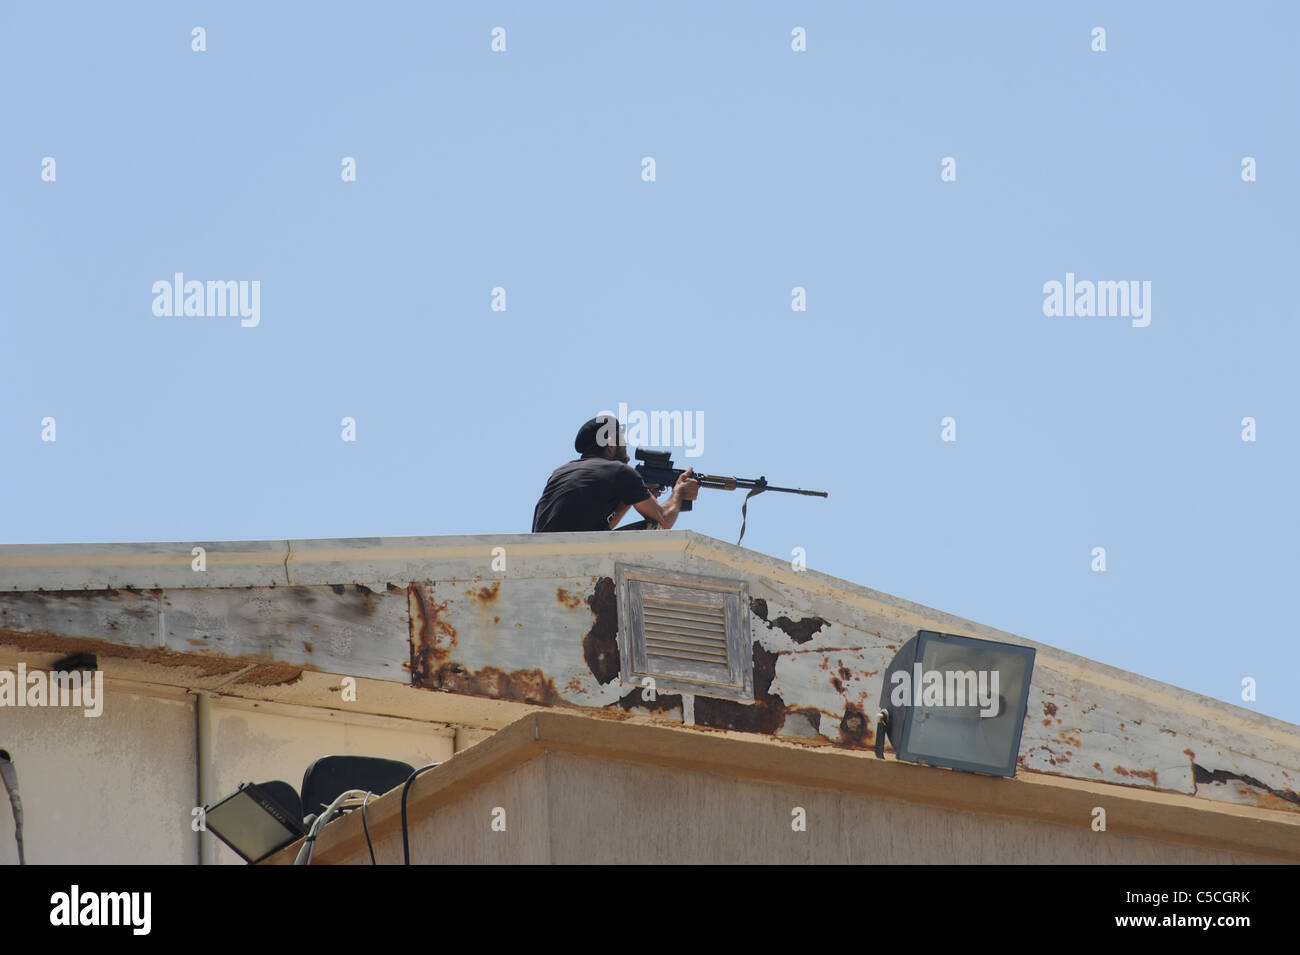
x: 600, y: 645
x: 800, y: 631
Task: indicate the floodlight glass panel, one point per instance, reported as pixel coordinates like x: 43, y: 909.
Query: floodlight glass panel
x: 973, y: 728
x: 251, y: 824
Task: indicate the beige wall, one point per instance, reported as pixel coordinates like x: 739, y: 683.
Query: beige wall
x: 565, y: 808
x: 463, y: 834
x: 121, y: 787
x: 117, y: 788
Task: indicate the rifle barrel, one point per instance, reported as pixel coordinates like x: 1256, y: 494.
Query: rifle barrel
x: 731, y: 483
x: 796, y: 490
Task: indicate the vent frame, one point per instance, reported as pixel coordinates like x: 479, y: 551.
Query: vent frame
x: 703, y: 645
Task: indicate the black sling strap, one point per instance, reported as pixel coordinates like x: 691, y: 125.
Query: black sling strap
x: 743, y: 516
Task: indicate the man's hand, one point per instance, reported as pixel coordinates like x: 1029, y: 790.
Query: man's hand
x: 665, y: 516
x: 687, y: 488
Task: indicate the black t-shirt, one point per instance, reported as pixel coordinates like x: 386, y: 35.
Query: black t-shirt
x: 581, y: 495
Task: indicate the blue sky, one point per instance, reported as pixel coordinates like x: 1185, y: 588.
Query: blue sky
x: 774, y: 169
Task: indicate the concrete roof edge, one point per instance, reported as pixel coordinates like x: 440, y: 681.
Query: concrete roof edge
x: 276, y: 563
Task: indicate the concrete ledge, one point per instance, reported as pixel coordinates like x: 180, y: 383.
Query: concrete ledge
x: 1145, y: 814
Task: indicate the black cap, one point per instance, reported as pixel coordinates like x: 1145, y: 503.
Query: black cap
x: 596, y: 434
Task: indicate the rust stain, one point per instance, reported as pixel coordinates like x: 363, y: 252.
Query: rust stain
x: 1188, y: 752
x: 569, y: 600
x: 432, y: 637
x: 530, y: 686
x: 485, y: 594
x: 1047, y: 722
x: 573, y: 686
x: 855, y: 728
x: 1097, y: 766
x: 600, y: 645
x: 266, y: 673
x: 1147, y: 774
x: 1049, y: 709
x: 197, y: 643
x: 308, y: 647
x: 1268, y: 800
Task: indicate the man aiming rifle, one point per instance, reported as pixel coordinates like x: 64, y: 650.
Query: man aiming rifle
x: 595, y: 491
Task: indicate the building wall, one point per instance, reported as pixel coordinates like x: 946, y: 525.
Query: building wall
x: 113, y: 789
x: 121, y: 788
x: 463, y: 833
x: 568, y: 809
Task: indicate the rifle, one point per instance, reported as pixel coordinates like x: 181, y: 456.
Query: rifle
x: 657, y: 468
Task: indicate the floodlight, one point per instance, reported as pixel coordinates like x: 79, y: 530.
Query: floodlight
x: 956, y: 701
x: 257, y: 820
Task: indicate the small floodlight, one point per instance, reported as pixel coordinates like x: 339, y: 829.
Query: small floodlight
x: 956, y: 701
x: 257, y: 820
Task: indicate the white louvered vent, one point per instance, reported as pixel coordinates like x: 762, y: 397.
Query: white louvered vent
x: 690, y: 633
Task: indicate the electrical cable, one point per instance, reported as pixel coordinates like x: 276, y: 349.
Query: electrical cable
x: 366, y: 827
x: 882, y: 731
x: 309, y: 845
x: 406, y: 845
x: 10, y: 776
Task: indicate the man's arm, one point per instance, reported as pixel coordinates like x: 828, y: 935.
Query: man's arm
x: 618, y: 515
x: 665, y: 515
